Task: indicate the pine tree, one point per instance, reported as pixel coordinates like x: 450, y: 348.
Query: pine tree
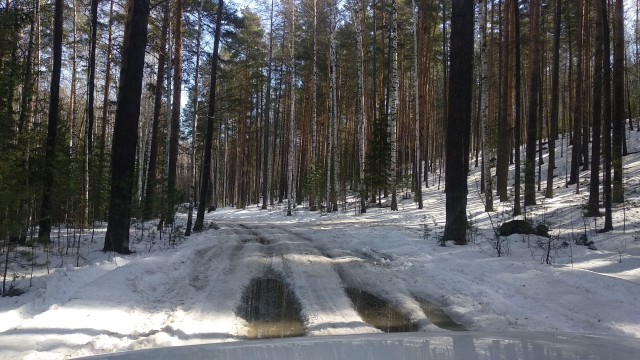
x: 125, y: 133
x: 393, y: 103
x: 618, y: 102
x: 517, y: 210
x: 459, y: 121
x: 593, y: 204
x: 505, y: 120
x: 175, y: 116
x: 98, y: 208
x: 602, y: 13
x: 54, y: 114
x: 147, y: 207
x: 292, y: 111
x: 206, y: 167
x: 555, y: 99
x: 194, y: 127
x: 360, y: 104
x: 534, y: 97
x: 91, y: 106
x: 266, y: 133
x: 484, y: 93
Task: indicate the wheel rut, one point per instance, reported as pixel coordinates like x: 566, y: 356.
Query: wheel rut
x: 208, y: 301
x: 350, y: 270
x: 325, y: 306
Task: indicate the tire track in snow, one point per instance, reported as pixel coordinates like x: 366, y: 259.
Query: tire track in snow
x: 372, y: 274
x: 325, y: 307
x: 211, y: 297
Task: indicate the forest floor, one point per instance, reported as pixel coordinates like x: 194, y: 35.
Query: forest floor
x: 191, y: 290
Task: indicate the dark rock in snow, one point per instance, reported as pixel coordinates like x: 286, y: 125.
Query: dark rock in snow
x: 522, y: 227
x: 542, y: 230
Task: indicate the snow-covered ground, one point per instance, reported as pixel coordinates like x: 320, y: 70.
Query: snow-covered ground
x: 189, y: 292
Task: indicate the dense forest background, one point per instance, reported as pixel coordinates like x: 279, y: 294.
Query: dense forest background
x: 312, y: 102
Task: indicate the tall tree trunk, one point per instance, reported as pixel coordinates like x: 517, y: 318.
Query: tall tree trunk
x: 44, y: 231
x: 147, y: 209
x: 393, y: 103
x: 292, y: 108
x: 333, y: 112
x: 360, y: 104
x: 577, y: 110
x: 540, y: 121
x: 505, y: 126
x: 618, y: 102
x: 416, y: 94
x: 71, y: 114
x: 278, y: 135
x: 374, y: 60
x: 459, y: 121
x: 586, y: 137
x: 125, y: 132
x: 91, y: 106
x: 517, y: 210
x: 267, y: 117
x: 593, y: 204
x: 105, y: 118
x: 314, y: 109
x: 175, y: 116
x: 555, y: 100
x: 606, y: 93
x: 532, y: 122
x: 194, y: 128
x: 206, y: 166
x: 484, y: 93
x: 335, y: 117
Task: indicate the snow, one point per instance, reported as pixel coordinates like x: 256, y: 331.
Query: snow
x: 187, y: 291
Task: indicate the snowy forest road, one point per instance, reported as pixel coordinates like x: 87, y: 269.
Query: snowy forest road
x: 194, y: 294
x: 219, y: 275
x: 318, y: 277
x: 195, y: 290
